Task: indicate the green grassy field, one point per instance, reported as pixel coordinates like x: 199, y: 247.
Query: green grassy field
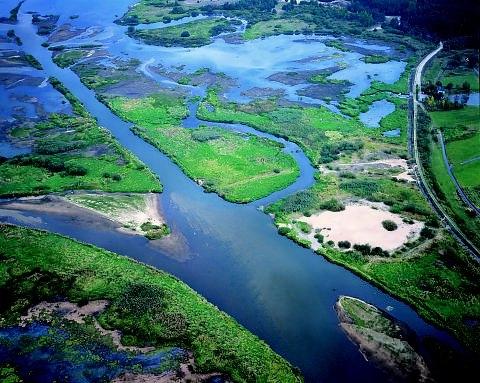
x: 192, y: 34
x: 468, y: 117
x: 446, y: 191
x: 152, y: 11
x: 38, y: 266
x: 459, y: 77
x: 240, y: 168
x: 464, y: 150
x: 450, y: 66
x: 72, y: 153
x: 321, y: 133
x: 68, y: 58
x: 461, y: 129
x: 277, y: 27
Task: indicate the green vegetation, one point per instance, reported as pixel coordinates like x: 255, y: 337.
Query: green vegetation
x: 381, y: 338
x: 150, y: 307
x: 461, y: 77
x: 152, y: 11
x: 444, y: 187
x: 400, y: 197
x: 8, y: 374
x: 344, y: 244
x: 375, y: 59
x: 129, y: 209
x: 452, y: 69
x: 322, y: 134
x: 389, y: 225
x: 240, y: 168
x: 155, y: 231
x: 461, y: 131
x: 33, y: 62
x: 192, y: 34
x: 457, y: 124
x: 73, y: 152
x: 277, y: 26
x: 110, y: 204
x: 68, y: 58
x: 96, y: 77
x: 337, y: 44
x: 364, y: 315
x: 323, y: 79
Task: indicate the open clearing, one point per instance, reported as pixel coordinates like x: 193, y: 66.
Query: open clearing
x: 361, y: 223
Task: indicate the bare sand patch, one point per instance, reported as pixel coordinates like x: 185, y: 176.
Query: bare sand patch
x: 129, y: 210
x: 361, y: 223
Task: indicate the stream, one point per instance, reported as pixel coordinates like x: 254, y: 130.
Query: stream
x: 231, y: 254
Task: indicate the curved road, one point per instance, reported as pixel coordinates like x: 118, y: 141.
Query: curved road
x: 420, y: 176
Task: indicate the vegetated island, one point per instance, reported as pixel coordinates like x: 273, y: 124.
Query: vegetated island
x: 380, y: 339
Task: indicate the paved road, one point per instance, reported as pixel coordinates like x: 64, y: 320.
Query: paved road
x: 450, y: 224
x: 459, y: 188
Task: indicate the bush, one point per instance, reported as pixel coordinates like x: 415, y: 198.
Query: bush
x: 378, y: 251
x: 153, y: 232
x: 185, y: 34
x: 344, y: 244
x: 332, y: 205
x: 427, y: 233
x: 205, y: 134
x: 364, y: 249
x: 116, y: 177
x: 304, y: 227
x: 319, y: 237
x: 283, y: 230
x: 389, y: 225
x: 75, y: 170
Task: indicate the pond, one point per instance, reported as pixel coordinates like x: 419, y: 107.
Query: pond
x: 376, y: 112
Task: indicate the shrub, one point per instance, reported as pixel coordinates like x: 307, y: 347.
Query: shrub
x: 304, y: 227
x: 332, y: 205
x: 319, y: 237
x: 284, y: 230
x: 75, y: 170
x: 153, y: 232
x: 364, y: 249
x: 185, y: 34
x: 177, y: 10
x: 389, y: 225
x: 427, y: 233
x: 205, y: 134
x: 378, y: 251
x: 116, y: 177
x: 432, y: 221
x: 344, y: 244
